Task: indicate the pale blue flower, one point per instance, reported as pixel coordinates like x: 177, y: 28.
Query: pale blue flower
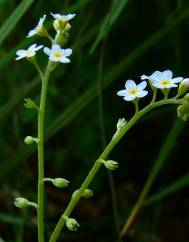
x: 66, y: 17
x: 163, y: 79
x: 39, y: 26
x: 133, y: 91
x: 30, y: 52
x: 56, y: 54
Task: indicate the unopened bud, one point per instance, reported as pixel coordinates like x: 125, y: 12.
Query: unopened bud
x: 183, y: 87
x: 186, y: 97
x: 60, y: 24
x: 72, y: 224
x: 29, y: 103
x: 86, y: 194
x: 60, y: 182
x: 110, y: 164
x: 29, y: 140
x: 121, y: 123
x: 21, y: 202
x: 183, y: 111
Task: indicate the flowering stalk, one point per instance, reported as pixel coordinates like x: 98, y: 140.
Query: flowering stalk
x: 40, y: 146
x: 116, y: 138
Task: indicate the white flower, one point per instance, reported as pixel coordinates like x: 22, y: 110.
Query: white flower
x: 154, y: 74
x: 163, y: 79
x: 38, y: 28
x: 63, y: 17
x: 57, y: 54
x: 133, y: 91
x: 30, y: 52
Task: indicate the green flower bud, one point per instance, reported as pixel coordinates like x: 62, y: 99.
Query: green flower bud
x: 29, y: 140
x: 21, y: 202
x: 121, y: 123
x: 60, y: 24
x: 87, y: 193
x: 60, y: 182
x: 186, y: 97
x: 183, y: 111
x: 72, y: 224
x: 183, y: 87
x: 110, y: 164
x: 29, y: 103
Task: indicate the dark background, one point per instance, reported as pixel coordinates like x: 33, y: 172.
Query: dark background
x: 112, y: 41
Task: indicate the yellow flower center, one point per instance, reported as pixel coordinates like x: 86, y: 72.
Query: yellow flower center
x: 57, y: 54
x: 133, y: 91
x: 29, y: 52
x: 165, y: 82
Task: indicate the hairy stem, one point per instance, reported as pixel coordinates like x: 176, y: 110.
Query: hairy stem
x: 116, y: 138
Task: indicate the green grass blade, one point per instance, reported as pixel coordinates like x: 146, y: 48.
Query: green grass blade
x: 13, y: 19
x: 162, y: 157
x: 115, y: 10
x: 166, y: 191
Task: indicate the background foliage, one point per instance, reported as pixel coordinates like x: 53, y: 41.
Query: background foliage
x: 112, y: 41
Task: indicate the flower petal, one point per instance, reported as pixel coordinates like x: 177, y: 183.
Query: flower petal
x: 56, y: 47
x: 39, y: 47
x: 142, y: 85
x: 144, y: 77
x: 47, y: 51
x: 67, y: 52
x: 167, y: 74
x: 121, y: 93
x: 21, y: 52
x: 41, y: 20
x: 70, y: 16
x: 129, y: 97
x: 64, y: 60
x: 129, y: 84
x: 142, y: 93
x: 177, y: 79
x: 31, y: 33
x: 56, y: 16
x: 32, y: 47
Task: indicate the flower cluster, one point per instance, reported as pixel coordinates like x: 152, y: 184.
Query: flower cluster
x: 55, y: 53
x: 158, y: 80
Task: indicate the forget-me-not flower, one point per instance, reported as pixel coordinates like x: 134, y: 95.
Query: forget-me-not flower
x: 163, y: 80
x: 133, y: 91
x: 30, y: 52
x: 38, y: 28
x: 56, y: 54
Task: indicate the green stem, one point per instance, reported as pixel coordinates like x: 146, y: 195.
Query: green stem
x: 116, y: 138
x: 40, y: 146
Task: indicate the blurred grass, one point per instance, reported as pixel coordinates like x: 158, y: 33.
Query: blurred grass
x: 138, y: 40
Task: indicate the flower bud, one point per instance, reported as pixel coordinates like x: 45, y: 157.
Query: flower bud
x: 186, y: 97
x: 183, y: 111
x: 60, y: 182
x: 60, y: 24
x: 87, y: 193
x: 72, y: 224
x: 183, y: 87
x: 110, y: 164
x: 29, y: 103
x: 121, y: 123
x: 21, y: 202
x: 29, y: 140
